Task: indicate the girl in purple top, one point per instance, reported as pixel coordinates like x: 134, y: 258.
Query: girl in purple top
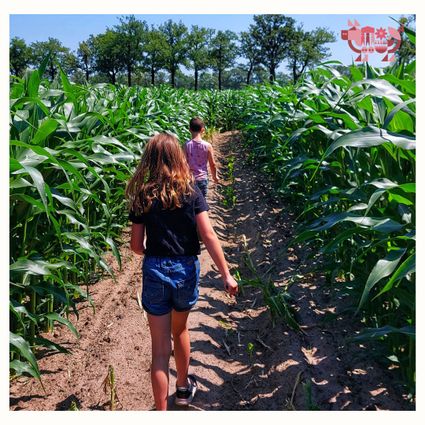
x: 199, y: 153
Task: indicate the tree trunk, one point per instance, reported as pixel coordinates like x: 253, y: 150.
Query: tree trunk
x: 219, y: 79
x: 152, y: 75
x: 52, y: 72
x: 294, y: 71
x: 173, y: 78
x: 248, y: 75
x: 196, y: 78
x: 272, y: 71
x: 129, y: 76
x: 87, y: 75
x: 113, y: 78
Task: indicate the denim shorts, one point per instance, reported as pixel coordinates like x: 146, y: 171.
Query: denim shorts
x: 203, y: 186
x: 170, y: 283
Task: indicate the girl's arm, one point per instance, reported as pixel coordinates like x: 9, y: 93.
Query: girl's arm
x: 214, y: 249
x: 137, y: 238
x: 213, y: 165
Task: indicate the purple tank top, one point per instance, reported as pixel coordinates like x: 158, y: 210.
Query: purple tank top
x: 197, y: 157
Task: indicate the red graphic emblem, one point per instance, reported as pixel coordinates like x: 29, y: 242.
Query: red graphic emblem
x: 368, y: 40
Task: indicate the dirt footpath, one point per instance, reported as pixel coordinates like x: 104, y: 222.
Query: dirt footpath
x: 241, y: 360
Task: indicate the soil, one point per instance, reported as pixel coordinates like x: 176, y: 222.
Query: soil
x: 243, y: 359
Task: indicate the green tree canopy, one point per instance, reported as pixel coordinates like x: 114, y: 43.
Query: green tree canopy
x: 155, y: 52
x: 131, y: 34
x: 273, y: 35
x: 198, y: 52
x: 108, y: 54
x: 307, y: 48
x: 86, y: 59
x: 20, y: 56
x: 176, y: 53
x: 250, y: 51
x: 223, y: 52
x: 58, y: 55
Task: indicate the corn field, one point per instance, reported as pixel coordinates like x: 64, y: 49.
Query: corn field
x: 72, y: 150
x: 341, y: 147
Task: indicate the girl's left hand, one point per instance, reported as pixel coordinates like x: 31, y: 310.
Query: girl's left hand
x: 230, y: 285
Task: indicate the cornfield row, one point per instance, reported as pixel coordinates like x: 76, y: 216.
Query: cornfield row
x: 72, y: 150
x: 340, y: 145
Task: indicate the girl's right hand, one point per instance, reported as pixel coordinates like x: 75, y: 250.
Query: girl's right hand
x: 230, y: 285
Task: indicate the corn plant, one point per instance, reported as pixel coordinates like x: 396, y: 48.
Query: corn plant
x: 72, y: 150
x: 343, y: 147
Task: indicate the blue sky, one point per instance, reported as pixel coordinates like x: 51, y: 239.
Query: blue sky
x: 71, y: 29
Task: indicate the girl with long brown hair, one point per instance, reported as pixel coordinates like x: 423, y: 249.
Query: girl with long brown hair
x: 167, y: 207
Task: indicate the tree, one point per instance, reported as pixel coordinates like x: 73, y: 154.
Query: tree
x: 250, y: 51
x: 198, y: 53
x: 108, y: 54
x: 234, y: 78
x: 272, y: 34
x: 223, y: 52
x: 183, y: 80
x: 20, y: 56
x: 176, y: 53
x: 131, y: 34
x: 155, y: 51
x: 57, y: 53
x: 407, y: 50
x: 307, y: 48
x: 70, y: 63
x: 207, y: 80
x: 85, y: 55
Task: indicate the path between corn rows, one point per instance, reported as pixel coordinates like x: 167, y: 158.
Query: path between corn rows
x: 273, y: 377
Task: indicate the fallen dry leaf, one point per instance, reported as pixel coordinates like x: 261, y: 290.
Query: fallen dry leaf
x: 286, y: 364
x: 309, y: 356
x: 378, y: 391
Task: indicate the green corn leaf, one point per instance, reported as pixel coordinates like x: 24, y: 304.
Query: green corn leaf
x: 407, y: 267
x: 410, y: 34
x: 39, y: 183
x: 55, y: 317
x: 399, y: 199
x: 21, y: 367
x: 19, y: 309
x: 46, y: 128
x: 408, y: 187
x: 39, y: 267
x: 25, y: 351
x: 382, y: 269
x: 51, y: 345
x: 396, y: 109
x: 368, y: 137
x: 374, y: 333
x: 116, y: 252
x: 30, y: 267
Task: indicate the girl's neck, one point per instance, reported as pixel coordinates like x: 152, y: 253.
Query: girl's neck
x: 197, y: 138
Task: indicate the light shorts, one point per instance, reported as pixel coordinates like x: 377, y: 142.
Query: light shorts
x: 170, y: 283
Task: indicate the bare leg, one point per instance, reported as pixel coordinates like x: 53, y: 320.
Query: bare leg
x: 160, y: 328
x: 181, y: 345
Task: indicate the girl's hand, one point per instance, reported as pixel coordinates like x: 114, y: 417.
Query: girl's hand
x: 230, y: 285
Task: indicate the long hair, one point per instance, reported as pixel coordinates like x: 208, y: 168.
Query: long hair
x: 163, y: 174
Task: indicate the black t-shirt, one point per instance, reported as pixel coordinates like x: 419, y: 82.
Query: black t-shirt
x: 172, y: 232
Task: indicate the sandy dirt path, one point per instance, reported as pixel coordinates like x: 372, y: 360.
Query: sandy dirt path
x: 241, y: 359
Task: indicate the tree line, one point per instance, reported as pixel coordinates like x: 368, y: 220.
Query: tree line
x: 134, y: 52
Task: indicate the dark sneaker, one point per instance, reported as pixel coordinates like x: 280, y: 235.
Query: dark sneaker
x: 184, y: 395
